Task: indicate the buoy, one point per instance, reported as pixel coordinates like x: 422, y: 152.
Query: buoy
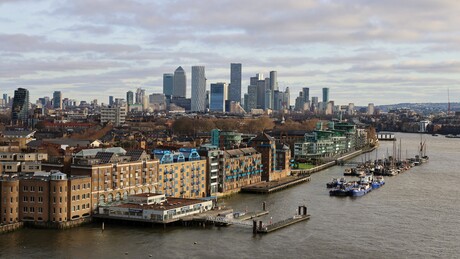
x: 194, y: 243
x: 150, y: 255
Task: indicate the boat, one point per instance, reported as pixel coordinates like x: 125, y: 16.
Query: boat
x: 453, y: 136
x: 335, y: 182
x: 377, y: 182
x: 360, y: 190
x: 342, y: 190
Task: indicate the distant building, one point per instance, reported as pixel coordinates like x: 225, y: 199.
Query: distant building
x: 57, y: 100
x: 20, y: 108
x: 140, y: 93
x: 168, y: 84
x: 130, y: 97
x: 218, y: 97
x: 325, y: 95
x: 114, y: 114
x: 111, y: 101
x: 370, y: 109
x: 180, y: 83
x: 252, y: 98
x: 198, y: 89
x: 234, y: 90
x: 157, y: 102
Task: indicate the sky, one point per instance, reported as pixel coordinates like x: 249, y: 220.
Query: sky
x: 380, y: 52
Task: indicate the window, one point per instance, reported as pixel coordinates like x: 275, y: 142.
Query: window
x: 40, y: 188
x: 24, y: 199
x: 40, y: 199
x: 32, y: 188
x: 32, y: 209
x: 24, y: 209
x: 24, y: 188
x: 40, y: 210
x: 32, y: 198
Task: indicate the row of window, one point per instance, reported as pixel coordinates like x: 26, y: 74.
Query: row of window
x: 32, y: 199
x: 83, y: 196
x: 77, y: 207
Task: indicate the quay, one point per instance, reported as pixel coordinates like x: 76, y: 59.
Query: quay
x: 261, y: 229
x: 273, y: 186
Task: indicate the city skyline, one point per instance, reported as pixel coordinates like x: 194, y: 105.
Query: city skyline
x: 379, y: 52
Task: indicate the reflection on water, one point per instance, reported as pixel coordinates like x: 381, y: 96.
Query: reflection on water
x: 414, y: 215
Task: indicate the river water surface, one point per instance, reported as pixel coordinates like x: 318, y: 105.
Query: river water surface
x: 415, y: 215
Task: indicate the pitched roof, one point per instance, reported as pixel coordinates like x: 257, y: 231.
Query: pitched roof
x: 106, y: 157
x: 136, y: 155
x: 263, y: 137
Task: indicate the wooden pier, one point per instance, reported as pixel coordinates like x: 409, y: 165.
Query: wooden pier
x: 273, y: 186
x: 260, y: 228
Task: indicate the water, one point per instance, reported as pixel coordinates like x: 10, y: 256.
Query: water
x: 416, y: 214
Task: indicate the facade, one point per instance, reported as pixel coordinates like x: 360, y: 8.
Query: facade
x: 266, y: 145
x: 180, y: 83
x: 20, y: 108
x: 181, y: 174
x: 168, y: 84
x: 325, y: 95
x: 370, y: 109
x: 198, y: 89
x: 212, y: 154
x: 57, y: 100
x: 234, y: 90
x: 157, y: 102
x: 239, y: 168
x: 45, y: 197
x: 116, y: 174
x: 252, y: 98
x: 218, y: 97
x: 226, y: 139
x: 13, y: 163
x: 114, y: 114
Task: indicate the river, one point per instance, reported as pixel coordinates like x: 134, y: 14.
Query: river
x: 416, y: 214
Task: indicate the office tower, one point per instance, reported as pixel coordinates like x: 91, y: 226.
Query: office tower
x: 252, y: 98
x: 325, y: 95
x: 314, y: 103
x: 260, y: 94
x: 218, y: 97
x: 20, y: 108
x: 273, y: 80
x: 198, y: 89
x: 57, y: 100
x: 351, y: 109
x: 246, y: 100
x: 180, y: 83
x: 168, y: 84
x: 157, y: 102
x: 140, y: 93
x: 306, y: 94
x: 5, y: 98
x: 208, y: 97
x: 253, y: 80
x: 370, y: 109
x: 299, y: 102
x: 234, y: 91
x: 130, y: 97
x: 110, y: 100
x: 268, y: 104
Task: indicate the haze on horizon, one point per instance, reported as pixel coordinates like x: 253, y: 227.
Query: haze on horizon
x: 381, y: 52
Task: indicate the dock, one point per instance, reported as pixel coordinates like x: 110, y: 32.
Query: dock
x: 251, y: 215
x: 273, y: 186
x: 259, y: 228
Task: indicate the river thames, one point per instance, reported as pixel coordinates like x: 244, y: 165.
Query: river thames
x: 415, y: 215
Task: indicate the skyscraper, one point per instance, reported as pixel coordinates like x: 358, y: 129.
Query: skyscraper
x: 57, y: 100
x: 218, y: 97
x: 168, y: 84
x: 198, y: 89
x: 234, y: 91
x: 252, y: 98
x: 180, y: 83
x: 306, y: 94
x: 130, y: 97
x: 325, y: 95
x: 273, y: 80
x: 110, y: 100
x: 20, y: 108
x: 140, y: 93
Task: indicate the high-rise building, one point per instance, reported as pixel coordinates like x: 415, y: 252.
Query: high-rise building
x: 261, y: 94
x: 140, y: 93
x: 110, y: 100
x: 273, y: 80
x: 252, y: 98
x: 306, y: 94
x: 130, y: 97
x: 370, y: 109
x: 325, y: 95
x: 20, y: 108
x: 57, y: 100
x: 234, y: 91
x: 5, y: 98
x: 180, y: 83
x: 168, y: 84
x: 198, y: 89
x: 218, y: 97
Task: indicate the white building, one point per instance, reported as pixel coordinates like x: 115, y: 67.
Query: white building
x: 114, y: 114
x: 152, y: 207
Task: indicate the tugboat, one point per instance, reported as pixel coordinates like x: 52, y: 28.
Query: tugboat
x: 341, y: 190
x: 360, y: 190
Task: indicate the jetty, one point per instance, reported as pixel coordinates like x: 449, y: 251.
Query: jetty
x: 260, y: 228
x: 273, y: 186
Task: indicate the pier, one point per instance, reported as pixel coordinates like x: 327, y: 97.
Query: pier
x: 258, y: 227
x: 273, y: 186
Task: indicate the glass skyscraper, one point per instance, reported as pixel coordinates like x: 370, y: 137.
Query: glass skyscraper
x: 20, y: 108
x: 218, y: 97
x: 234, y: 91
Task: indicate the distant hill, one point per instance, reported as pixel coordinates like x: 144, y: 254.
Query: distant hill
x: 425, y: 108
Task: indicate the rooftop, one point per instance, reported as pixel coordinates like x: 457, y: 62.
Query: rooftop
x: 170, y: 203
